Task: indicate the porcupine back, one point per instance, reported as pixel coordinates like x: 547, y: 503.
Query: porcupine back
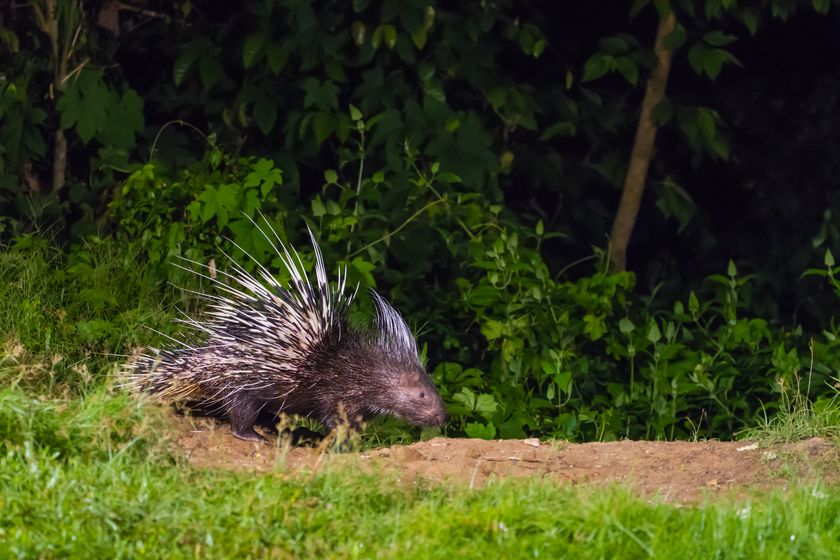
x: 271, y: 349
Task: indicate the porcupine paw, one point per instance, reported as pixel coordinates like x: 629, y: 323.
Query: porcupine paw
x: 248, y: 434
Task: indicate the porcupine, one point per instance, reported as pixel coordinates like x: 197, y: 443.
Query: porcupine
x: 274, y: 349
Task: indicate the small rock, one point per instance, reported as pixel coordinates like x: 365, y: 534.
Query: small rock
x: 533, y: 442
x: 749, y: 447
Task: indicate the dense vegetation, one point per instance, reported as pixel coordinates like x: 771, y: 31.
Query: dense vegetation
x: 467, y: 160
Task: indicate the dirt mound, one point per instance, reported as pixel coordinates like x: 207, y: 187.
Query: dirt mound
x: 678, y: 471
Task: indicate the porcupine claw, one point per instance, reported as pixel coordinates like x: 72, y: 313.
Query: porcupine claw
x: 249, y: 435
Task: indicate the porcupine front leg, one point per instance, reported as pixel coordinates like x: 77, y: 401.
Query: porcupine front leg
x: 243, y: 413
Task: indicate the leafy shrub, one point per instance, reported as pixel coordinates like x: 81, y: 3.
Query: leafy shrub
x: 515, y: 351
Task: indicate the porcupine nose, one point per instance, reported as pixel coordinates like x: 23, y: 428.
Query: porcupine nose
x: 440, y: 417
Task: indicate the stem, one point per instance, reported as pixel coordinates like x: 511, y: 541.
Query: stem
x: 390, y: 233
x: 179, y: 122
x: 358, y: 180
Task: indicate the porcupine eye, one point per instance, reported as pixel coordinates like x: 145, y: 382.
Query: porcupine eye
x: 422, y: 394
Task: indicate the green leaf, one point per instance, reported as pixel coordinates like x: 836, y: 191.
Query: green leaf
x: 821, y: 6
x: 714, y: 59
x: 124, y: 120
x: 492, y: 329
x: 628, y: 69
x: 277, y: 56
x: 597, y: 65
x: 384, y: 33
x: 675, y: 202
x: 265, y: 174
x: 480, y: 431
x: 731, y: 269
x: 676, y: 38
x: 750, y: 19
x: 693, y: 303
x: 538, y: 48
x: 714, y: 9
x: 637, y: 6
x: 467, y: 397
x: 663, y: 7
x: 719, y: 38
x: 558, y: 129
x: 323, y: 125
x: 654, y: 335
x: 625, y: 325
x: 85, y: 103
x: 614, y: 45
x: 419, y: 38
x: 563, y: 380
x: 330, y: 177
x: 365, y: 268
x: 318, y: 208
x: 829, y: 258
x: 322, y: 95
x: 252, y: 48
x: 210, y: 70
x: 448, y: 178
x: 265, y: 114
x: 390, y: 36
x: 376, y: 37
x: 183, y: 64
x: 486, y: 405
x: 355, y: 114
x: 696, y: 56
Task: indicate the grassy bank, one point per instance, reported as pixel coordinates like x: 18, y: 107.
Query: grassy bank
x: 92, y: 477
x: 75, y: 482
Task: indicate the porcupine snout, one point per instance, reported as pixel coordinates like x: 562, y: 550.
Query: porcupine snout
x: 418, y: 401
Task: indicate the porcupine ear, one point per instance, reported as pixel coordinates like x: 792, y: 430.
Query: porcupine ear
x: 393, y: 332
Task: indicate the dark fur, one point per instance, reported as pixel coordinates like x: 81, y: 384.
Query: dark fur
x: 352, y: 377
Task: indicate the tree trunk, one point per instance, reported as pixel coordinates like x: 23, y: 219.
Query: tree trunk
x: 634, y: 182
x: 59, y: 160
x: 48, y: 21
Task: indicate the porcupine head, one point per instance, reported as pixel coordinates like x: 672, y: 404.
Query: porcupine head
x: 276, y: 348
x: 368, y: 372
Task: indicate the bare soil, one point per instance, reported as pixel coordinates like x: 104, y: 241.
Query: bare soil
x: 679, y: 472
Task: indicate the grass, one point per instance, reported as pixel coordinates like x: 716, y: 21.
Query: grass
x: 798, y: 417
x: 90, y: 478
x: 85, y: 470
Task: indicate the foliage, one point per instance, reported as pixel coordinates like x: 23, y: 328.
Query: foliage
x: 515, y: 351
x: 464, y: 159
